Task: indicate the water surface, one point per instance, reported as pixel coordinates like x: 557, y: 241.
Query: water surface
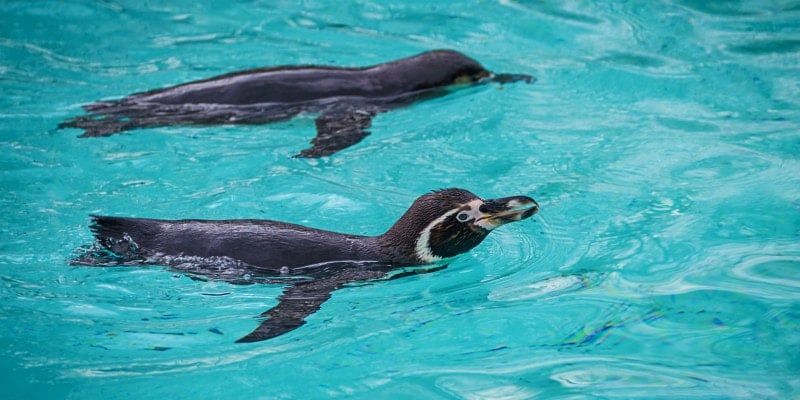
x: 661, y: 140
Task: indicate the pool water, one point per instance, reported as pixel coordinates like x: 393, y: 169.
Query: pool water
x: 661, y: 141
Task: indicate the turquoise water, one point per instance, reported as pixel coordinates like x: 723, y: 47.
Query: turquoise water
x: 661, y: 140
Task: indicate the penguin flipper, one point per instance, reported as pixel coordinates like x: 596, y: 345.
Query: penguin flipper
x: 295, y: 304
x: 338, y: 130
x: 304, y: 298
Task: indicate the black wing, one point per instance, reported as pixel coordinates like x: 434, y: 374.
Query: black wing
x: 338, y: 130
x: 294, y: 305
x: 304, y: 298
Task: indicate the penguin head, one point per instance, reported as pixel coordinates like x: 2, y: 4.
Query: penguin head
x: 440, y: 68
x: 445, y: 223
x: 451, y: 68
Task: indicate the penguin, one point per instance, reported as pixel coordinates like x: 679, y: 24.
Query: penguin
x: 346, y: 98
x: 310, y: 262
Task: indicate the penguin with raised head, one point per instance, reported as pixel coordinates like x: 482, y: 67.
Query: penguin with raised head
x: 311, y: 262
x: 346, y: 98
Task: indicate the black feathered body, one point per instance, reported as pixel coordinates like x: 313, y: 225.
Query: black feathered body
x: 276, y: 93
x: 269, y: 246
x: 345, y: 98
x: 439, y: 225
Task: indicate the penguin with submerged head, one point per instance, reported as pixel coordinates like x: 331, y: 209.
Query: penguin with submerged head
x: 346, y: 98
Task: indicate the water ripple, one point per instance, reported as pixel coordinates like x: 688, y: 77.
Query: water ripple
x: 781, y: 272
x: 661, y: 140
x: 546, y: 288
x: 754, y: 269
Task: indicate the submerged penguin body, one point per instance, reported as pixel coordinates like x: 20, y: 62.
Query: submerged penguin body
x: 347, y: 98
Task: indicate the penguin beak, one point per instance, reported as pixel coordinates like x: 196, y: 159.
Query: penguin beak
x: 501, y: 211
x: 509, y: 78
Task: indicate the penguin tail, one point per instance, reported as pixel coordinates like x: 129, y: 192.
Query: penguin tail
x: 97, y: 125
x: 105, y: 227
x: 116, y: 234
x: 105, y: 118
x: 113, y: 245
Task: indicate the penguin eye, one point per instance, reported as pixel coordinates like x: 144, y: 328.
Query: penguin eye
x: 463, y: 216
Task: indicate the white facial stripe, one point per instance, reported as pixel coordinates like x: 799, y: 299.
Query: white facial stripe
x: 423, y: 248
x: 475, y: 209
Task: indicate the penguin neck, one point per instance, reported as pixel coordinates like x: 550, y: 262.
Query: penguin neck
x: 398, y: 243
